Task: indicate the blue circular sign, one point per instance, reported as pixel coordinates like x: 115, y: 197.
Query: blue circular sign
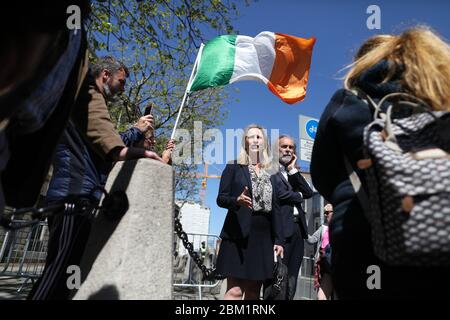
x: 311, y: 128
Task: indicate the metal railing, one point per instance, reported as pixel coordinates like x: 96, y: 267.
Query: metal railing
x: 23, y: 252
x: 305, y: 284
x: 187, y: 277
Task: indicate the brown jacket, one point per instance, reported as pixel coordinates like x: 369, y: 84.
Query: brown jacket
x: 91, y: 116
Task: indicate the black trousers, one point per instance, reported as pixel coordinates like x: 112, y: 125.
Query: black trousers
x: 69, y: 233
x: 293, y: 256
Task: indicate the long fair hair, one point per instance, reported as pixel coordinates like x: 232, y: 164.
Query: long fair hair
x: 264, y: 154
x: 424, y: 56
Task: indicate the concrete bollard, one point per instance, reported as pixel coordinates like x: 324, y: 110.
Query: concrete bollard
x: 131, y: 258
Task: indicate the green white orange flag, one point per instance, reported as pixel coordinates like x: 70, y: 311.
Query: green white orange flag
x: 280, y: 61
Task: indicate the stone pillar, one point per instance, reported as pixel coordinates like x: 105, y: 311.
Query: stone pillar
x: 131, y: 257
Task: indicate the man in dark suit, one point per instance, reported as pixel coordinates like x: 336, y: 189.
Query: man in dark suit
x: 292, y: 189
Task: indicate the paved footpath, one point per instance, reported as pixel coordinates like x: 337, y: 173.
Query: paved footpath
x: 9, y: 287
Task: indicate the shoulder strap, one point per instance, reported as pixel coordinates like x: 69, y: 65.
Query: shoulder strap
x: 367, y: 99
x: 357, y: 186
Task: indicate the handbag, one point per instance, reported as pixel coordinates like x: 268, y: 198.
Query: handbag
x: 277, y: 289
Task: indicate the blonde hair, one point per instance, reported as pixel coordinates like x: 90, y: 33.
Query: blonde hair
x: 423, y: 55
x: 264, y: 159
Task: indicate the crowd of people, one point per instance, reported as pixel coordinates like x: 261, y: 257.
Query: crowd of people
x: 50, y: 92
x: 264, y: 213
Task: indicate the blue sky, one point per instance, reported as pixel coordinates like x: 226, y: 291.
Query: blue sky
x: 340, y: 27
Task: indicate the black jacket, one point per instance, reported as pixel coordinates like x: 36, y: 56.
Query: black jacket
x: 238, y: 220
x: 288, y: 197
x: 31, y: 154
x: 340, y: 133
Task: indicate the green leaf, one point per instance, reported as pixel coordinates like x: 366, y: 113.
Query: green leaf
x: 158, y: 40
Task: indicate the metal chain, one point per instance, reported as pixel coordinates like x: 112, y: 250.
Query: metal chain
x: 209, y: 274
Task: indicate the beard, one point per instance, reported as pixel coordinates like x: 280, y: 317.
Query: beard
x: 285, y: 159
x: 110, y: 92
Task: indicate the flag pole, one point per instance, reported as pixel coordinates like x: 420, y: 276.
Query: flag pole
x: 188, y: 88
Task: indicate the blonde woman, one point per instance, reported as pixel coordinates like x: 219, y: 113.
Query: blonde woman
x: 416, y: 62
x: 250, y: 233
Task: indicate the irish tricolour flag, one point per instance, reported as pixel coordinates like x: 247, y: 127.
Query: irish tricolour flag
x: 281, y: 61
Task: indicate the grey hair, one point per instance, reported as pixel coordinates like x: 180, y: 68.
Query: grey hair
x: 109, y: 63
x: 289, y: 137
x: 275, y: 165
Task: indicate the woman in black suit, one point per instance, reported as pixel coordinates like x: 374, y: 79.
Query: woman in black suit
x: 250, y: 233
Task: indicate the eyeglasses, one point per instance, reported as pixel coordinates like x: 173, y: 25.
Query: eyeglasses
x: 328, y: 212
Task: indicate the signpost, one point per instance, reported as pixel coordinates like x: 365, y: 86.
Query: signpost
x: 307, y: 133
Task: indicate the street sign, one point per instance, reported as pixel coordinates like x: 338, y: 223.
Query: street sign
x: 306, y: 149
x: 307, y: 133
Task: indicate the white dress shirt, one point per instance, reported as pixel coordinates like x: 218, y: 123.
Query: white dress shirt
x: 285, y: 175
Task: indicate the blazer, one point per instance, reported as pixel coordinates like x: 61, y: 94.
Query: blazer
x: 288, y: 196
x: 238, y: 219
